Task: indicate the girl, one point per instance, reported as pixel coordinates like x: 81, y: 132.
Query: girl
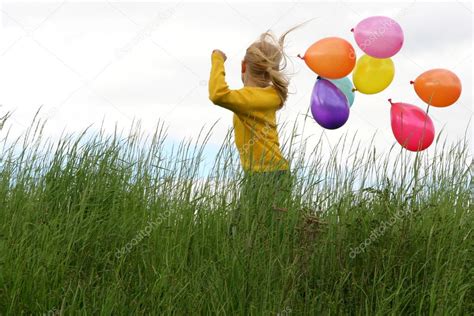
x: 267, y: 179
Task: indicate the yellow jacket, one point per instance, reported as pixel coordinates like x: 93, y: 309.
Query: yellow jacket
x: 255, y: 128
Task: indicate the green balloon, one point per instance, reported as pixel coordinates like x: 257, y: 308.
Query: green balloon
x: 345, y: 85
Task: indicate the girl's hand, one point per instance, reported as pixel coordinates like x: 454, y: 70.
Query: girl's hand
x: 221, y: 53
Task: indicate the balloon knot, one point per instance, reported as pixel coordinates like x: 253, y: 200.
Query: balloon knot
x: 299, y: 56
x: 352, y: 29
x: 354, y: 89
x: 390, y: 100
x: 412, y: 82
x: 318, y: 77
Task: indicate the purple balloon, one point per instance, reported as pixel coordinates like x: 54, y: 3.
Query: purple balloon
x: 379, y: 36
x: 329, y: 105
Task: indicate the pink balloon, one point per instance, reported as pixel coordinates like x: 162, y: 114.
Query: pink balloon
x: 379, y: 36
x: 411, y: 126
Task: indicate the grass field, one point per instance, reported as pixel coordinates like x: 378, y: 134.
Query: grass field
x: 117, y: 225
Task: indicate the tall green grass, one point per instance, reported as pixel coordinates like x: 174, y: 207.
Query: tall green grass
x: 122, y: 223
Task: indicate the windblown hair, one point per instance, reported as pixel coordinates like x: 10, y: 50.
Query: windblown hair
x: 266, y: 62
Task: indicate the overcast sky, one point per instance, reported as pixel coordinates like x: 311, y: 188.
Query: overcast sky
x: 120, y: 60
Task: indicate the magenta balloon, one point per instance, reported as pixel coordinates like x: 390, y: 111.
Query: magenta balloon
x: 379, y: 36
x: 329, y: 105
x: 411, y: 126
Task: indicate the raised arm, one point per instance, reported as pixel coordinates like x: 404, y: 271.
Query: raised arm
x: 237, y: 101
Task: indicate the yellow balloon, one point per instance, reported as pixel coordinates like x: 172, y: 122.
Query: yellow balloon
x: 372, y: 75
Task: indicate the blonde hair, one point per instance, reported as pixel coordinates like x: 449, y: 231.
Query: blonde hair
x: 266, y: 61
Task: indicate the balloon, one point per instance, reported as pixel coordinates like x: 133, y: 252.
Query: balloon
x: 411, y: 126
x: 379, y: 36
x: 372, y: 75
x: 438, y: 87
x: 345, y: 85
x: 331, y: 57
x: 329, y: 105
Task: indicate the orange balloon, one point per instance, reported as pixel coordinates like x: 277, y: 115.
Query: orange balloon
x: 438, y: 87
x: 331, y: 57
